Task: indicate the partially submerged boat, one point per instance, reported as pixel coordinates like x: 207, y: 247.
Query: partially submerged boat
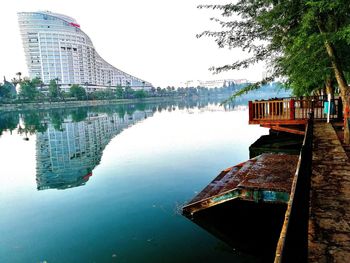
x: 265, y: 178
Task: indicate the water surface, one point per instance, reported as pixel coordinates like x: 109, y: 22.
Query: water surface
x: 106, y: 184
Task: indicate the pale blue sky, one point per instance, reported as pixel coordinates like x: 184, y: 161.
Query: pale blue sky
x: 154, y: 39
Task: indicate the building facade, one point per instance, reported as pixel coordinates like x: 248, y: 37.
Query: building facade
x: 56, y: 48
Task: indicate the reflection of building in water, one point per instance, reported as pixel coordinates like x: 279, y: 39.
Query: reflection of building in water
x: 66, y: 158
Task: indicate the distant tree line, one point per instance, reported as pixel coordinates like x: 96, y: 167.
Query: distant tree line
x: 34, y: 90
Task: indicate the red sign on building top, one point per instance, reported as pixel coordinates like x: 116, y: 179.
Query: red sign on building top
x: 75, y: 25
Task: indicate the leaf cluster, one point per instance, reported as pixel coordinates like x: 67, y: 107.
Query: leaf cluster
x: 77, y: 91
x: 288, y: 35
x: 29, y: 88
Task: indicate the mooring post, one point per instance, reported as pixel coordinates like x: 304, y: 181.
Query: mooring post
x: 292, y: 109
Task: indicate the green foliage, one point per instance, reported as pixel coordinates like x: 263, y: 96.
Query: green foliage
x: 29, y: 89
x: 37, y: 82
x: 8, y: 121
x: 105, y: 94
x: 57, y: 120
x: 6, y: 90
x: 119, y: 92
x: 121, y: 111
x: 290, y: 36
x: 32, y: 90
x: 129, y: 92
x: 54, y: 89
x: 139, y: 94
x: 77, y: 92
x: 33, y: 122
x: 140, y: 106
x: 79, y: 114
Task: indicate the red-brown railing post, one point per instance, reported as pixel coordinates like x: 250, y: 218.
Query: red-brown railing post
x: 292, y: 109
x: 250, y: 107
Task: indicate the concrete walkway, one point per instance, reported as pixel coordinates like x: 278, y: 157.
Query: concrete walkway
x: 329, y: 224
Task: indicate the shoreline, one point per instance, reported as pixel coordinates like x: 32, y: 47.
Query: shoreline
x: 74, y: 104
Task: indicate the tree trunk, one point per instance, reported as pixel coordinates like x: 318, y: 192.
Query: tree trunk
x: 330, y: 96
x: 339, y: 76
x: 344, y: 89
x: 329, y: 87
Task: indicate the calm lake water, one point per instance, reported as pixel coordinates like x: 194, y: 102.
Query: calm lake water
x: 106, y: 184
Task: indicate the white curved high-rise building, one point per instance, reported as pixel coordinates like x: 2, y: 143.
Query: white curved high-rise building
x: 56, y: 47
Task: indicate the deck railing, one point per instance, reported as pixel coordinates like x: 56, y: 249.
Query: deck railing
x: 290, y: 109
x: 293, y: 242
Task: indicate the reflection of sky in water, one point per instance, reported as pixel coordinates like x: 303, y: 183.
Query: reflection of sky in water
x: 128, y: 210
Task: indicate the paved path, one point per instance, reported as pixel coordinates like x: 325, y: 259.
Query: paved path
x: 329, y: 225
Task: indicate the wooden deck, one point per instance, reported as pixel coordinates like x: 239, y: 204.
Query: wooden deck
x: 265, y: 178
x: 290, y: 114
x: 329, y: 223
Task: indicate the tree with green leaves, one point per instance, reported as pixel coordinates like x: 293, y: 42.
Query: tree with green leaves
x: 109, y: 94
x: 119, y: 92
x: 7, y: 90
x: 29, y: 89
x: 54, y: 89
x: 295, y: 32
x: 103, y: 94
x: 79, y: 114
x: 140, y: 94
x: 290, y: 36
x: 129, y: 92
x: 77, y: 92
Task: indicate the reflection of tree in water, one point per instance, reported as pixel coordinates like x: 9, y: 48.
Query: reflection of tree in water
x: 70, y: 141
x: 130, y: 109
x: 33, y: 122
x: 121, y: 112
x: 141, y: 106
x: 57, y: 119
x: 79, y: 114
x: 37, y: 121
x: 8, y: 121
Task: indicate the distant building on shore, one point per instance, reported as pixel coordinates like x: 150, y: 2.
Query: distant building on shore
x: 56, y: 47
x: 219, y: 83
